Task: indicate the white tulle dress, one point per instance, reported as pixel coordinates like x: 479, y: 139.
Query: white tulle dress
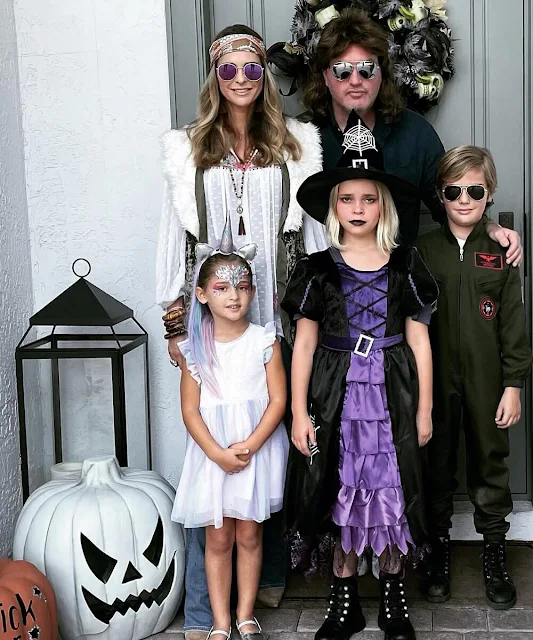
x: 206, y: 494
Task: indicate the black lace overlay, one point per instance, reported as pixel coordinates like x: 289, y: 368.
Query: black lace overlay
x: 314, y: 291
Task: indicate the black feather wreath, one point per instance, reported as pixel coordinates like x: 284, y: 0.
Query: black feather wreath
x: 420, y: 45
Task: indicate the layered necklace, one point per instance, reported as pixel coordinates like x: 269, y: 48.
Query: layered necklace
x: 238, y: 189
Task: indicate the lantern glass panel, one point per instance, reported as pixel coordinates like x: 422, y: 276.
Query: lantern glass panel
x: 38, y: 410
x: 136, y: 409
x: 86, y: 397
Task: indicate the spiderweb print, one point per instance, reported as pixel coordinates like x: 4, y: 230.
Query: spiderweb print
x: 359, y: 139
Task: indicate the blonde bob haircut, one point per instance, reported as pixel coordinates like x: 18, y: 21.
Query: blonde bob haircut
x: 388, y: 224
x: 212, y: 136
x: 459, y: 160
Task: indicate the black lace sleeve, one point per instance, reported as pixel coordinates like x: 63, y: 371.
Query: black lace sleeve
x: 303, y: 297
x: 420, y: 288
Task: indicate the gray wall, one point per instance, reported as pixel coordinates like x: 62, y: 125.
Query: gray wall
x: 15, y: 270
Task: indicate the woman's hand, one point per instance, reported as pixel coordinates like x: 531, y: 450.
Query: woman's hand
x: 424, y: 426
x: 303, y: 433
x: 174, y: 350
x: 509, y: 409
x: 229, y: 460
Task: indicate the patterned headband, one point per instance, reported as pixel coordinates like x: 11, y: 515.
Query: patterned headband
x: 236, y: 42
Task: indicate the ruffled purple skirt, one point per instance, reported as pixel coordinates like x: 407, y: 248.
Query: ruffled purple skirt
x: 370, y: 505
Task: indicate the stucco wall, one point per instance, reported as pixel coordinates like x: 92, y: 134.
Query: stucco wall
x: 15, y: 273
x: 94, y: 90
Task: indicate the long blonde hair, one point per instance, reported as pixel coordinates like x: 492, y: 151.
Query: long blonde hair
x: 212, y: 136
x: 388, y: 224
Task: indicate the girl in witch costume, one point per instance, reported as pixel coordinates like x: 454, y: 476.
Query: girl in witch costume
x: 361, y: 387
x: 233, y: 394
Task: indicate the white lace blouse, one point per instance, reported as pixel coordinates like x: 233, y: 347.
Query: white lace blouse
x: 262, y: 203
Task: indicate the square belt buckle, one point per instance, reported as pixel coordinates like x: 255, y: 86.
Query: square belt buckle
x: 366, y: 350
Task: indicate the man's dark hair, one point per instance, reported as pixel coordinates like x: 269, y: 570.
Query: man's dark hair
x: 352, y: 27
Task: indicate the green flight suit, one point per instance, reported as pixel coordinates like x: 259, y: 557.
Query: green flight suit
x: 479, y: 344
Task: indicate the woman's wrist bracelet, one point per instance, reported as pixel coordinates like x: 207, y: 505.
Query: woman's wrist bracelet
x: 174, y: 322
x: 175, y: 334
x: 174, y: 314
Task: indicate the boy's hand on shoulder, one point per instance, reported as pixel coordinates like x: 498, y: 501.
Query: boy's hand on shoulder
x: 424, y: 426
x: 303, y: 432
x: 510, y: 409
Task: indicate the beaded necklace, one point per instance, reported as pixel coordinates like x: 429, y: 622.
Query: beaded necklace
x: 243, y: 167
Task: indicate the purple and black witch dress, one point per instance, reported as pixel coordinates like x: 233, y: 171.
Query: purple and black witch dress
x: 364, y: 483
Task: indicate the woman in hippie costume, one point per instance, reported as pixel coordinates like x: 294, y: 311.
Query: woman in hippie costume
x: 244, y: 161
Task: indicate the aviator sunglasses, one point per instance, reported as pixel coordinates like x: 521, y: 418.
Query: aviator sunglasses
x: 367, y: 69
x: 228, y: 71
x: 454, y: 191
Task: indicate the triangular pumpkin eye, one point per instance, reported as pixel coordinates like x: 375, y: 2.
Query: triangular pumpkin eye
x: 99, y: 562
x: 155, y: 548
x: 131, y: 574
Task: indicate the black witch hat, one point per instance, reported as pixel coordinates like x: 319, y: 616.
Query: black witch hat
x: 362, y: 159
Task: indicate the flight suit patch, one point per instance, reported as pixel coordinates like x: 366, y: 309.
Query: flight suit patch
x: 487, y: 308
x: 488, y: 261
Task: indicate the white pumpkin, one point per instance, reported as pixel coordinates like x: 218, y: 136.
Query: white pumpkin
x: 108, y: 546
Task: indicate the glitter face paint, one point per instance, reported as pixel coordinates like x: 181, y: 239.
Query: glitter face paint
x: 232, y: 273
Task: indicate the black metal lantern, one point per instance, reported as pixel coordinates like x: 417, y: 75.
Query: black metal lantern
x: 85, y: 305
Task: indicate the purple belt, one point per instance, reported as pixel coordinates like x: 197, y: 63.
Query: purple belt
x: 361, y: 346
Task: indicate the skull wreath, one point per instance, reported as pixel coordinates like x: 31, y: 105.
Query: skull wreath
x: 108, y: 546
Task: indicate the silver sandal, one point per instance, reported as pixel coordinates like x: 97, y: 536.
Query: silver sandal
x: 214, y: 632
x: 250, y: 635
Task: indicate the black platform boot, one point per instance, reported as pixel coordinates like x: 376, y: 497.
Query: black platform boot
x: 499, y: 587
x: 393, y: 616
x: 436, y: 582
x: 344, y: 616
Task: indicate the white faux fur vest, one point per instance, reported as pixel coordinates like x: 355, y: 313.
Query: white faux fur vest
x: 180, y: 173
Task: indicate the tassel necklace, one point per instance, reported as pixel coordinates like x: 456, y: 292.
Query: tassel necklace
x: 244, y: 168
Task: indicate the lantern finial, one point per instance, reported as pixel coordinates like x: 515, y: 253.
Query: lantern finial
x: 88, y: 267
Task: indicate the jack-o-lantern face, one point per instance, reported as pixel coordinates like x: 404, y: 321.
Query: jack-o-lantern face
x: 111, y: 550
x: 103, y: 565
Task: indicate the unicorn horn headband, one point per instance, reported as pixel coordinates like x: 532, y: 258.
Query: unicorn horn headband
x: 225, y: 247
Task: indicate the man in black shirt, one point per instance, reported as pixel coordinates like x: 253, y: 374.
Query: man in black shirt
x: 351, y: 70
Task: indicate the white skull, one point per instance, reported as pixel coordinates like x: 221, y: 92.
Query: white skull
x: 429, y: 86
x: 397, y: 22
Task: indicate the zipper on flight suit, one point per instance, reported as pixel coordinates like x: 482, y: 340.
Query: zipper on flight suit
x: 459, y: 292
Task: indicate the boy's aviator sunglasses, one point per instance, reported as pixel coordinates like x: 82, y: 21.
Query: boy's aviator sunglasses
x: 367, y: 69
x: 228, y: 71
x: 454, y: 191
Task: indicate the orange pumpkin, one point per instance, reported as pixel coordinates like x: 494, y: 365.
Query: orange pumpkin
x: 27, y: 603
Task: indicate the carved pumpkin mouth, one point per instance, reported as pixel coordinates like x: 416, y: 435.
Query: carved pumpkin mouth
x: 104, y: 612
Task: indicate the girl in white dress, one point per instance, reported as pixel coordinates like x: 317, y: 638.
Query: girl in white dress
x: 233, y: 395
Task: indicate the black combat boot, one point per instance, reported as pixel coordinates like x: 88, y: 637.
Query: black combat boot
x: 436, y: 582
x: 499, y: 587
x: 344, y: 616
x: 393, y: 616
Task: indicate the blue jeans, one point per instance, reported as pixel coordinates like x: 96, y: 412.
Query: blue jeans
x: 198, y: 616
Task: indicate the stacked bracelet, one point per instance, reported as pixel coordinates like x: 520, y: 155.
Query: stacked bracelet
x: 174, y: 323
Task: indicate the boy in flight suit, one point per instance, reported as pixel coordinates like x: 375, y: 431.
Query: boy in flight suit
x: 481, y: 357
